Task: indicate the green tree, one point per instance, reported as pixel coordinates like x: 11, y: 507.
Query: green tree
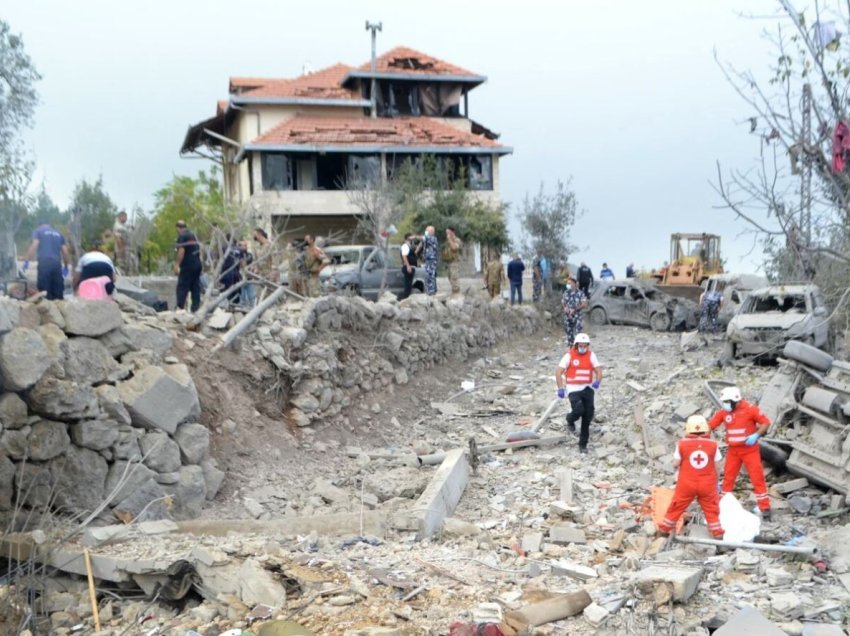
x: 96, y: 211
x: 197, y: 200
x: 547, y: 221
x: 428, y: 193
x: 43, y: 209
x: 18, y: 99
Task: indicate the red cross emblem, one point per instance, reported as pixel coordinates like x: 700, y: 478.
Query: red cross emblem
x: 728, y: 419
x: 698, y: 459
x: 575, y: 363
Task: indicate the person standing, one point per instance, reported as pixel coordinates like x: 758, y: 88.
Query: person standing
x: 315, y: 260
x: 696, y: 456
x: 248, y: 293
x: 452, y: 257
x: 710, y: 303
x: 408, y: 265
x: 536, y: 281
x: 578, y: 376
x: 515, y: 269
x: 121, y: 233
x: 630, y: 270
x: 430, y: 248
x: 745, y: 424
x: 188, y: 267
x: 48, y: 245
x: 494, y: 276
x: 296, y: 267
x: 573, y: 301
x: 585, y: 278
x: 265, y: 263
x: 606, y: 273
x: 544, y: 272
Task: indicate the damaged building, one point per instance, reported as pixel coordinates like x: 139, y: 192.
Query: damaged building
x: 291, y: 147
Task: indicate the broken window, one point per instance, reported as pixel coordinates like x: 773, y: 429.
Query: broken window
x: 330, y: 171
x: 276, y: 172
x: 480, y: 172
x: 364, y: 170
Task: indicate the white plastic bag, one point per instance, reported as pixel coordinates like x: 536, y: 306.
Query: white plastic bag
x: 738, y: 524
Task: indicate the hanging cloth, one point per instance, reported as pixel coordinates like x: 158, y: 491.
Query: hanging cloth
x: 840, y: 145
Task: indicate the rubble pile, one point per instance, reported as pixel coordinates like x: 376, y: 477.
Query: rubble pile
x: 337, y: 347
x: 92, y: 409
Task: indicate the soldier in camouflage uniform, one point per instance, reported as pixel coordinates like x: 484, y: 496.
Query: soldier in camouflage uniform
x: 430, y: 249
x: 573, y: 301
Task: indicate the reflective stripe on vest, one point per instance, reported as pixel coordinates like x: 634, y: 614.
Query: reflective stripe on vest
x: 580, y: 368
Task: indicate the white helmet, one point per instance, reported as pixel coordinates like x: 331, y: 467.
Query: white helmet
x: 582, y: 338
x: 730, y: 394
x: 696, y: 424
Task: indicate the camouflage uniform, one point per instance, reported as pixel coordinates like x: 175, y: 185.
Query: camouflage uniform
x: 314, y: 259
x: 493, y: 277
x: 708, y: 312
x: 430, y: 249
x: 294, y: 273
x: 536, y: 282
x: 452, y: 257
x: 572, y: 301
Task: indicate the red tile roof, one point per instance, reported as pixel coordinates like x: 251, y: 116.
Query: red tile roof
x: 405, y: 60
x: 353, y: 131
x: 322, y: 84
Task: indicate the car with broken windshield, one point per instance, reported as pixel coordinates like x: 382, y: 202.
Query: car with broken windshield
x: 364, y: 270
x: 633, y: 302
x: 773, y: 315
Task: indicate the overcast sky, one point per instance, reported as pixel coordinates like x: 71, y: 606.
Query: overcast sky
x: 624, y: 97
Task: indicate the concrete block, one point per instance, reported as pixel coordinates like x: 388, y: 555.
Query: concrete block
x: 749, y: 621
x: 790, y: 486
x: 635, y: 386
x: 442, y: 494
x: 778, y: 576
x: 572, y: 569
x: 105, y: 534
x: 567, y: 534
x: 786, y: 605
x: 562, y: 509
x: 595, y: 614
x: 685, y: 410
x: 822, y: 629
x: 532, y: 541
x: 683, y: 579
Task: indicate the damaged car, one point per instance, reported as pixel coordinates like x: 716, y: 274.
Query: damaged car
x: 772, y: 316
x: 632, y: 302
x: 365, y: 270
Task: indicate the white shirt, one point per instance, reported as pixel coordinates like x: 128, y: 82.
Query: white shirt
x: 93, y: 257
x: 405, y: 250
x: 565, y: 363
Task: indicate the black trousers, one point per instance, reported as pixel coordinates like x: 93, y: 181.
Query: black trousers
x: 50, y: 279
x: 585, y: 287
x: 189, y: 281
x: 581, y: 406
x: 408, y: 282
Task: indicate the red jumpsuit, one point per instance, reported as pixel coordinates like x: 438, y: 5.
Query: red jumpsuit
x: 697, y: 480
x: 740, y: 424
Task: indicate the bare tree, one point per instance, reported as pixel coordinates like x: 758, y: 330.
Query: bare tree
x: 796, y: 198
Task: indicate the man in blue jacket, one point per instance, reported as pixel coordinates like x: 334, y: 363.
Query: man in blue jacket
x: 515, y: 269
x: 48, y: 245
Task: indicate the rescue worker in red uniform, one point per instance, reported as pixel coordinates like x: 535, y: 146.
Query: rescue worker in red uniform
x: 745, y: 424
x: 696, y: 457
x: 580, y: 371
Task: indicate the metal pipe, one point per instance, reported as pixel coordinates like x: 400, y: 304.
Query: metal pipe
x: 766, y: 547
x: 226, y: 140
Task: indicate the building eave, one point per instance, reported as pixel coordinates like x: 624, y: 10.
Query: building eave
x: 381, y: 149
x: 299, y: 101
x: 420, y: 77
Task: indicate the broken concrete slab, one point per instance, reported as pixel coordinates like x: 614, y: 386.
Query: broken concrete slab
x: 595, y: 614
x: 532, y: 542
x: 822, y: 629
x: 749, y: 621
x: 553, y: 609
x: 684, y: 580
x: 442, y: 494
x: 374, y: 523
x: 219, y: 319
x: 685, y: 410
x: 567, y: 534
x: 574, y: 570
x: 786, y: 605
x: 786, y: 487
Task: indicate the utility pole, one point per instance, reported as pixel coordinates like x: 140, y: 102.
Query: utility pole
x: 806, y: 176
x: 374, y: 27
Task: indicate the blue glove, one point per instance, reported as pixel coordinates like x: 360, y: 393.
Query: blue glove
x: 26, y: 265
x: 720, y: 488
x: 752, y: 439
x: 561, y: 393
x: 595, y: 384
x: 65, y: 272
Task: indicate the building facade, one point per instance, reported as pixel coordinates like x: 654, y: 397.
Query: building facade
x: 291, y: 148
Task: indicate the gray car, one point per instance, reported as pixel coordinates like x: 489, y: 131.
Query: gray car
x: 771, y: 316
x: 362, y: 269
x: 632, y: 302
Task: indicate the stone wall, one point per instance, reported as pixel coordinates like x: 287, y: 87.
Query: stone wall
x: 88, y: 398
x: 336, y: 347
